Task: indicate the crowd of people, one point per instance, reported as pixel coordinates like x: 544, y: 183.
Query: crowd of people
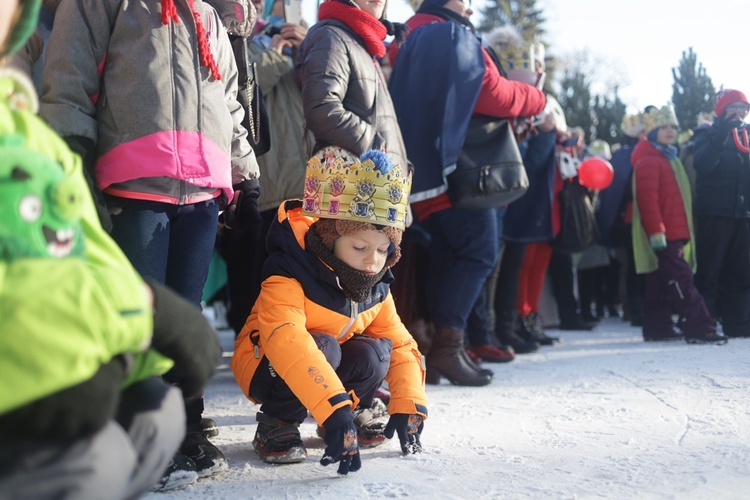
x: 127, y: 165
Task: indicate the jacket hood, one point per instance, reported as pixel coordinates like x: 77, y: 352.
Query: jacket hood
x: 287, y: 256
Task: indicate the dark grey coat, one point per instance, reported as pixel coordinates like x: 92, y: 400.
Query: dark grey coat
x: 344, y: 93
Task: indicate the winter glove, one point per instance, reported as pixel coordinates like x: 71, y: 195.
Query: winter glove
x: 409, y: 428
x: 86, y: 149
x: 243, y: 214
x: 184, y: 335
x: 341, y: 441
x: 73, y: 413
x: 658, y: 241
x: 723, y: 127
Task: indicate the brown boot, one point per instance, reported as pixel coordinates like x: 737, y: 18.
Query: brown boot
x: 422, y: 331
x: 448, y: 359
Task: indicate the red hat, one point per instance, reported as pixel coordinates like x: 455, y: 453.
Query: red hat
x: 724, y: 98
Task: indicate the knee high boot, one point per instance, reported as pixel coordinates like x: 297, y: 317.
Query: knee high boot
x: 448, y: 359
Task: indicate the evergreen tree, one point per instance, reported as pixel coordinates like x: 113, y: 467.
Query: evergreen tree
x: 609, y: 114
x: 692, y: 90
x: 524, y: 15
x: 575, y: 100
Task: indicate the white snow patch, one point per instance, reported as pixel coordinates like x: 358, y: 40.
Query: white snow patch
x: 601, y: 415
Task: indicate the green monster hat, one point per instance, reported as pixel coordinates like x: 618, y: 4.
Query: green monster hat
x: 23, y: 28
x: 41, y: 205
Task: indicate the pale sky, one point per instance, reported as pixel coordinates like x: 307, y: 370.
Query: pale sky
x: 640, y: 41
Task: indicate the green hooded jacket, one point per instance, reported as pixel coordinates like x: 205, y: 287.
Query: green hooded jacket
x: 62, y: 318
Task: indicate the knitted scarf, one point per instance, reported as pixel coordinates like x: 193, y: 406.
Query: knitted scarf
x: 357, y: 286
x: 169, y: 13
x: 371, y: 30
x: 668, y: 150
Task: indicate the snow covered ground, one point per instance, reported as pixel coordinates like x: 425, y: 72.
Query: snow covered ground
x: 601, y: 415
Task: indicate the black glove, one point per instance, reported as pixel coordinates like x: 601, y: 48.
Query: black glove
x: 341, y: 441
x: 86, y: 149
x: 184, y: 335
x: 73, y: 413
x: 243, y: 214
x: 723, y: 127
x: 409, y: 428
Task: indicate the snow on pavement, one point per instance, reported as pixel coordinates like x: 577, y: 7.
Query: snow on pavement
x: 601, y: 415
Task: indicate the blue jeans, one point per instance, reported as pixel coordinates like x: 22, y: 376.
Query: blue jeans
x: 478, y: 326
x: 463, y: 250
x: 171, y: 244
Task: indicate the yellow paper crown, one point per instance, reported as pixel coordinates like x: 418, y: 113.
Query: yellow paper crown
x: 338, y: 185
x: 520, y: 63
x: 633, y: 125
x: 659, y: 117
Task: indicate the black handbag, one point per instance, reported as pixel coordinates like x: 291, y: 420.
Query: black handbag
x: 251, y: 99
x: 489, y: 170
x: 578, y: 228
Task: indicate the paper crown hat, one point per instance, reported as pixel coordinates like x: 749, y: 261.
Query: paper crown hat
x: 632, y: 125
x: 658, y: 117
x: 338, y: 185
x: 523, y: 63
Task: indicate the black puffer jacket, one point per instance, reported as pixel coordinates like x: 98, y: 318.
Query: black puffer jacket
x: 344, y: 93
x: 722, y: 175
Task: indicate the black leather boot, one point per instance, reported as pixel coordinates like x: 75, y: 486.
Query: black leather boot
x: 530, y: 328
x: 447, y: 358
x: 571, y: 320
x: 505, y: 331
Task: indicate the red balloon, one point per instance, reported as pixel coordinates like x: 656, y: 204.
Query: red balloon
x: 595, y: 173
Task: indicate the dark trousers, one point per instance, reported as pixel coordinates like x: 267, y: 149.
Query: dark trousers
x: 361, y: 364
x: 463, y: 250
x: 599, y: 285
x: 562, y: 280
x: 671, y: 288
x: 482, y: 316
x: 244, y: 254
x: 171, y: 244
x: 723, y: 275
x: 635, y: 283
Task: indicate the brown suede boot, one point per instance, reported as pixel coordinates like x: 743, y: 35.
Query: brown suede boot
x: 448, y: 359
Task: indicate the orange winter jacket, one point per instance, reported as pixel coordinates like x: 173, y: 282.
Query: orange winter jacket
x: 300, y: 294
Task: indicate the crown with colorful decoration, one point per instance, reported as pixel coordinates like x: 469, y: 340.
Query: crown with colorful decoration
x: 632, y: 125
x: 658, y: 117
x: 339, y: 185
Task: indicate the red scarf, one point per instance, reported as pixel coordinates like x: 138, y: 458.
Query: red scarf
x: 371, y: 30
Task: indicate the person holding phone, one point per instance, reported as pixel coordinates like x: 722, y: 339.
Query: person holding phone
x: 722, y: 213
